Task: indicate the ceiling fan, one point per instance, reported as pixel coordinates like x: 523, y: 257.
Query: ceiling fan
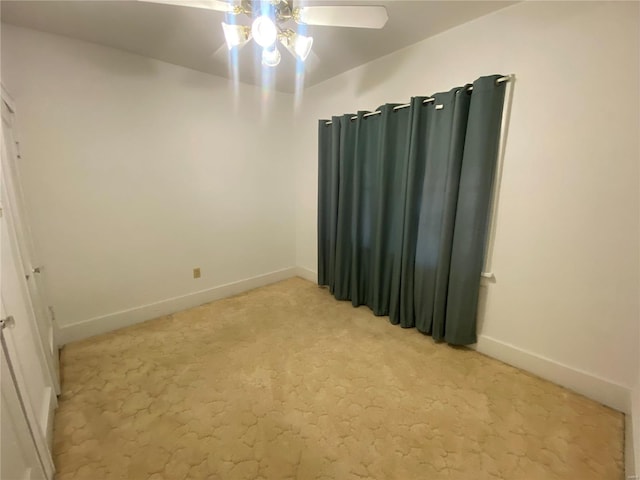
x: 269, y: 19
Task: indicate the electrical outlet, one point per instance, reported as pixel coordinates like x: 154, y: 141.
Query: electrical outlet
x: 196, y: 272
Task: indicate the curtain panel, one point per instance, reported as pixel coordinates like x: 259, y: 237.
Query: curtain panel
x: 403, y: 204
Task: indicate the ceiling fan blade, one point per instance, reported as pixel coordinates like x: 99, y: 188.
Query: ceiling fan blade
x: 339, y: 16
x: 218, y: 5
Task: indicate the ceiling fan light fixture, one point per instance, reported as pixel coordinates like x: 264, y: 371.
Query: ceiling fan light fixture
x: 236, y: 35
x: 270, y: 57
x: 264, y: 31
x: 302, y: 46
x: 298, y: 45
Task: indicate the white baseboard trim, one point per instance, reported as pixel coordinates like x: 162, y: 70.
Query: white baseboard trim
x: 307, y: 274
x: 599, y: 389
x: 114, y: 321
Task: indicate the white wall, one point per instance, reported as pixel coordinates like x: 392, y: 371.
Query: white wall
x: 170, y: 179
x: 136, y: 171
x: 567, y: 233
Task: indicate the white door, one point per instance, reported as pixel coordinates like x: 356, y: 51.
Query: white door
x: 22, y: 348
x: 19, y: 459
x: 13, y: 201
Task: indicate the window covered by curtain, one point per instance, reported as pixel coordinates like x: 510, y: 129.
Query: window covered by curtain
x: 403, y: 204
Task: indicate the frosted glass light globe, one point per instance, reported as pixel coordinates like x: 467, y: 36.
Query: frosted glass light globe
x: 264, y: 31
x: 270, y: 58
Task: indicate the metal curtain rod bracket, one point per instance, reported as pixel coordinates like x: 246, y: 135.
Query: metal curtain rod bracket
x: 500, y: 80
x: 506, y: 78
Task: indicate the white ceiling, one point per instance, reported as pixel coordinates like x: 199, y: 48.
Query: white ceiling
x: 193, y: 37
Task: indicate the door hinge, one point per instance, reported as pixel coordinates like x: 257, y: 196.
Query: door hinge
x: 52, y: 314
x: 34, y: 270
x: 7, y: 322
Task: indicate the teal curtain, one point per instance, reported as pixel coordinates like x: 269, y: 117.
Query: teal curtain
x: 403, y: 204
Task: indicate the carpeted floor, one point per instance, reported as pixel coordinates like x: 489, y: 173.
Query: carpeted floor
x: 286, y: 382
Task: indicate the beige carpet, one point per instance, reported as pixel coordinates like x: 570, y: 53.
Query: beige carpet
x: 286, y: 382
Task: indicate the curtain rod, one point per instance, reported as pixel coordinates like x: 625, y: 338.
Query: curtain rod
x: 428, y: 100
